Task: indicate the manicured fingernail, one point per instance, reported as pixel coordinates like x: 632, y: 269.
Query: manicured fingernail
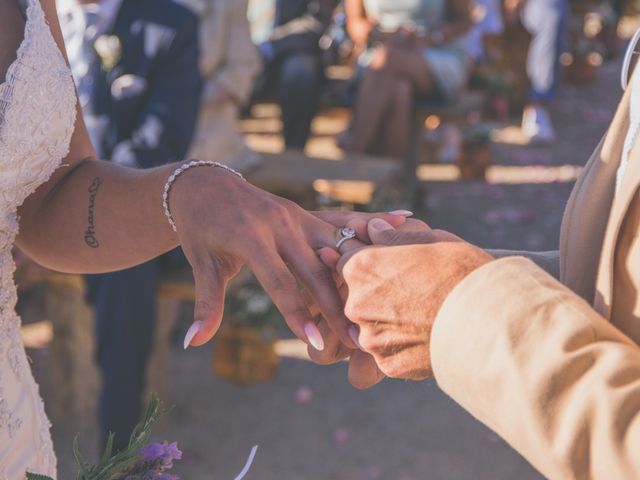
x: 402, y: 213
x: 379, y: 225
x: 314, y: 336
x: 354, y: 335
x: 192, y: 332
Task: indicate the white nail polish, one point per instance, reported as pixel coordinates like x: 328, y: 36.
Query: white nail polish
x: 402, y: 213
x: 192, y: 332
x: 314, y: 336
x: 354, y: 335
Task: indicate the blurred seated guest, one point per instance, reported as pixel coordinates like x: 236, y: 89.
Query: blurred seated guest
x: 609, y: 36
x: 287, y: 33
x: 229, y: 63
x: 415, y: 48
x: 487, y: 20
x: 619, y: 7
x: 546, y: 21
x: 135, y: 64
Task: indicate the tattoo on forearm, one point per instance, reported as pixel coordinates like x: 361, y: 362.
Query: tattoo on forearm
x: 90, y: 236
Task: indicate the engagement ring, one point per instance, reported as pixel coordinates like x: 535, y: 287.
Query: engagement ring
x: 346, y: 233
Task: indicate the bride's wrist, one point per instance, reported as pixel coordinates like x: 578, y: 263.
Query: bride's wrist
x: 187, y: 182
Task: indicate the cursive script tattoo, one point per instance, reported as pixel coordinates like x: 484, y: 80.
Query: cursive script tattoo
x: 90, y: 237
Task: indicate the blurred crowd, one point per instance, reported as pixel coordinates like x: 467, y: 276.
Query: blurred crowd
x: 163, y: 80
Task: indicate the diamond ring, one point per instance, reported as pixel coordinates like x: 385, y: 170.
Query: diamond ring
x: 346, y: 233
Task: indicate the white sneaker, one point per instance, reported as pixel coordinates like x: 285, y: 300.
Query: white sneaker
x: 536, y: 124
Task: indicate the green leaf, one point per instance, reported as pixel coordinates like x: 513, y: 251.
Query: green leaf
x: 110, y: 464
x: 82, y: 463
x: 108, y: 450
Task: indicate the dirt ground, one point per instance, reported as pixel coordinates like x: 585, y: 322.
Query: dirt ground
x: 308, y: 422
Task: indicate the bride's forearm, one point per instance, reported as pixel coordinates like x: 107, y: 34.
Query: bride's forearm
x: 97, y: 217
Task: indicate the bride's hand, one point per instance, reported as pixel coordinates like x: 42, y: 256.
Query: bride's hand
x: 224, y: 223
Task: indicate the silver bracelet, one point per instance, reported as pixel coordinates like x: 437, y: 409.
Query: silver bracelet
x: 179, y: 171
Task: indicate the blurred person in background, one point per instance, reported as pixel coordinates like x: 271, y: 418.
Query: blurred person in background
x: 288, y: 33
x: 229, y: 63
x: 413, y: 49
x: 546, y: 21
x: 135, y: 64
x: 487, y: 20
x: 619, y: 7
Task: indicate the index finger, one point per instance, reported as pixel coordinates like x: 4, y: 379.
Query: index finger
x: 319, y: 282
x: 282, y: 286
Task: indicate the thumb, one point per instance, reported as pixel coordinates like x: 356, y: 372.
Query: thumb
x: 363, y: 371
x: 210, y: 286
x: 381, y: 232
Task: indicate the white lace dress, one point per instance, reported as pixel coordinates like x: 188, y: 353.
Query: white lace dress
x: 37, y: 116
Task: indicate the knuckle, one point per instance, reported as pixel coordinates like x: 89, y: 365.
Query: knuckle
x: 355, y: 265
x: 287, y: 205
x: 395, y: 236
x: 351, y: 310
x: 277, y: 212
x: 391, y: 366
x: 297, y: 311
x: 202, y: 309
x: 321, y: 274
x: 390, y: 369
x: 268, y: 208
x: 244, y: 220
x: 368, y: 342
x: 282, y: 283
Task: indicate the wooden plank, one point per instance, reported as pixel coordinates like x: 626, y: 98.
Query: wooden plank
x: 296, y: 166
x: 184, y: 290
x: 352, y: 179
x: 74, y: 377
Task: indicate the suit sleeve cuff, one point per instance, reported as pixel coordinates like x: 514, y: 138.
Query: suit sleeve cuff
x: 472, y: 317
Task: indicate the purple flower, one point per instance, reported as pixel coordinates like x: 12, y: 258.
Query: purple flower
x: 164, y: 452
x: 155, y: 459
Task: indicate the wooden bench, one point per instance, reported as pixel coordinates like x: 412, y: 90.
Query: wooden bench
x: 353, y: 180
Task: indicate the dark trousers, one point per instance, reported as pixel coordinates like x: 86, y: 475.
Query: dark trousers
x: 295, y: 81
x: 125, y: 308
x: 619, y: 7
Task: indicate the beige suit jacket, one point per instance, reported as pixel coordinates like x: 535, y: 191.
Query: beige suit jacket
x: 554, y: 368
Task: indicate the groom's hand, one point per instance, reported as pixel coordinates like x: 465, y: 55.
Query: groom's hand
x: 396, y: 288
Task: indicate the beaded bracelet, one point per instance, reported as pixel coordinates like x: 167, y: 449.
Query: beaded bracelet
x: 179, y: 171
